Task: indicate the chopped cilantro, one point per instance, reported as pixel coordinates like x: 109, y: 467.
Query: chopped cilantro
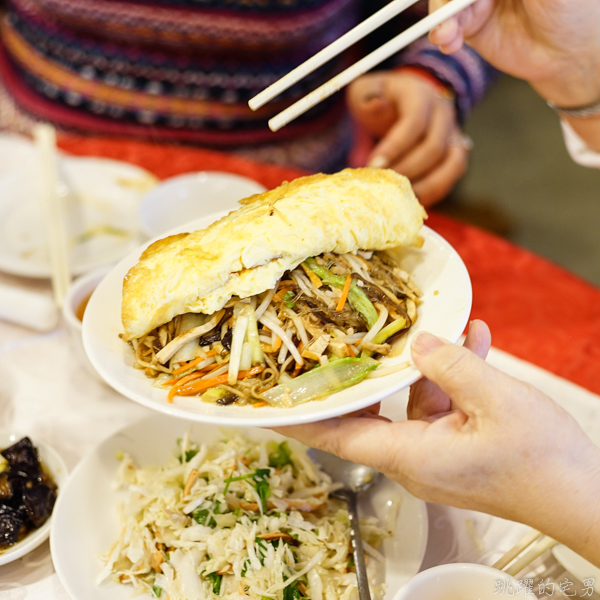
x: 204, y: 517
x: 215, y: 580
x: 281, y: 457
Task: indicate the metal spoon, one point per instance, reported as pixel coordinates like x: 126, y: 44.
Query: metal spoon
x: 356, y: 479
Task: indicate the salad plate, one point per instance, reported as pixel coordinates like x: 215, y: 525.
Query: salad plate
x: 55, y: 466
x: 85, y: 521
x: 446, y: 303
x: 101, y: 198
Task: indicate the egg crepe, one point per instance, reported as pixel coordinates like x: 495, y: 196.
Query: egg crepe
x: 248, y: 251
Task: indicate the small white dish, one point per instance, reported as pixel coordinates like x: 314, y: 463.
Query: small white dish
x: 576, y: 565
x: 74, y: 304
x: 458, y: 581
x: 436, y: 268
x: 187, y: 197
x: 56, y: 467
x: 80, y: 534
x: 101, y: 201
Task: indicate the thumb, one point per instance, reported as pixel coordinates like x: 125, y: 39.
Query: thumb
x: 370, y: 104
x: 466, y: 379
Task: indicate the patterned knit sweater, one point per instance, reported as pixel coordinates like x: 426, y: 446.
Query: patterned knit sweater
x: 185, y: 69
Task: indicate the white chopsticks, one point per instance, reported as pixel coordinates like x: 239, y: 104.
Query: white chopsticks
x: 357, y: 69
x: 52, y: 210
x: 543, y: 544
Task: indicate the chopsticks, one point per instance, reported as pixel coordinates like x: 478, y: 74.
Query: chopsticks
x: 543, y: 544
x: 52, y: 209
x: 357, y: 69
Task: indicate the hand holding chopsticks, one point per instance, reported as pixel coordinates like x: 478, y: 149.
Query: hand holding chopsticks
x: 357, y: 69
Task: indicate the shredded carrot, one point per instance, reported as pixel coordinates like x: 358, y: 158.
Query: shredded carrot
x: 351, y: 351
x: 184, y: 379
x: 296, y: 370
x: 344, y: 295
x: 193, y: 363
x: 260, y: 404
x: 186, y: 366
x: 314, y: 278
x: 172, y: 393
x: 277, y: 344
x: 204, y: 384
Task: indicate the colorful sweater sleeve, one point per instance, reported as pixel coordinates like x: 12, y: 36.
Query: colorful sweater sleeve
x: 465, y: 72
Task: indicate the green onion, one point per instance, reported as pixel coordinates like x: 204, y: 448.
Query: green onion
x: 288, y: 299
x: 389, y: 330
x: 316, y: 383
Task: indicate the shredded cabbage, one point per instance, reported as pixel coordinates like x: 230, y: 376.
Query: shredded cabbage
x: 236, y: 519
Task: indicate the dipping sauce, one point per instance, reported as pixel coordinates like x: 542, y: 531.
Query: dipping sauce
x: 82, y: 306
x: 27, y: 493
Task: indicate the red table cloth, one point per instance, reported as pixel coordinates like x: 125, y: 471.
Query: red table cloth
x: 536, y: 310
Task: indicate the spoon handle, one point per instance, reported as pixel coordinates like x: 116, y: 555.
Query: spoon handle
x: 357, y: 546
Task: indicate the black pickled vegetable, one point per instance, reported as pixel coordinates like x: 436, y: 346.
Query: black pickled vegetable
x: 27, y: 493
x: 12, y: 526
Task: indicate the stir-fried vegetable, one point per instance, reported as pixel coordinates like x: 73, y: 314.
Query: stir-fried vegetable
x: 330, y: 307
x: 320, y: 382
x: 232, y: 519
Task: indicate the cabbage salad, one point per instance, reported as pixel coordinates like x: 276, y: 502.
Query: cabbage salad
x: 237, y: 519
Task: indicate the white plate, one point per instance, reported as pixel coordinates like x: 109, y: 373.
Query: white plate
x: 181, y: 199
x: 85, y: 521
x: 436, y: 268
x: 577, y: 566
x: 58, y: 470
x: 101, y: 199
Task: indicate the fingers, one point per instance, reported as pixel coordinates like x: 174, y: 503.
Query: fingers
x: 428, y: 154
x: 436, y: 184
x: 463, y: 376
x: 370, y: 104
x: 373, y: 442
x: 450, y: 35
x: 426, y: 399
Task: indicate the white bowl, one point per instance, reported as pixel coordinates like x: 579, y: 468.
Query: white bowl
x: 56, y: 467
x: 183, y: 198
x: 79, y: 292
x: 459, y: 581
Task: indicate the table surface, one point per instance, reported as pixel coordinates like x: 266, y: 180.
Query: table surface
x: 537, y: 311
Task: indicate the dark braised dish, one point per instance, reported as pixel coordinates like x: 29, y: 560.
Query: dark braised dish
x: 27, y: 493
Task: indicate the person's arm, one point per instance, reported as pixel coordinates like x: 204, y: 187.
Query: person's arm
x: 479, y: 439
